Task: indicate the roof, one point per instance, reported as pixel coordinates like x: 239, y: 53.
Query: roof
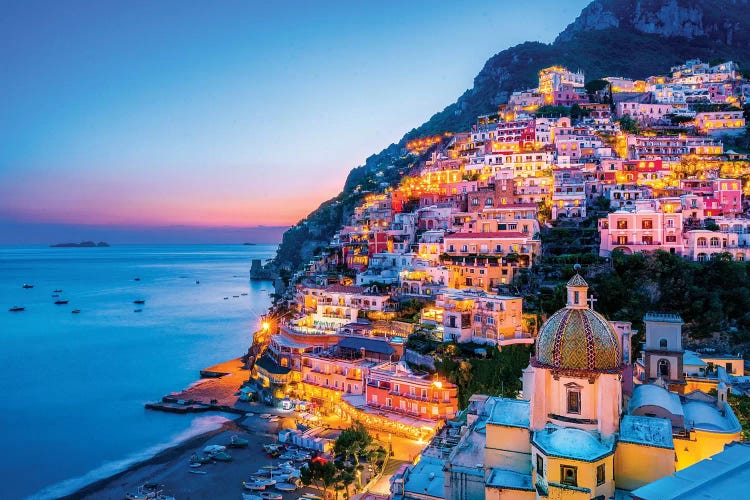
x: 689, y: 358
x: 344, y: 289
x: 372, y: 345
x: 654, y: 395
x: 578, y: 339
x: 487, y: 235
x: 706, y: 416
x: 649, y: 431
x: 509, y: 412
x: 577, y: 280
x: 663, y: 317
x: 269, y: 365
x: 568, y: 442
x: 506, y: 479
x: 720, y: 476
x: 426, y: 478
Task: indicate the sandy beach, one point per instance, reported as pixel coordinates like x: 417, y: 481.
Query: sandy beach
x: 222, y: 479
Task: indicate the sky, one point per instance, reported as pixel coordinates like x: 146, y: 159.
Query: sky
x: 199, y: 116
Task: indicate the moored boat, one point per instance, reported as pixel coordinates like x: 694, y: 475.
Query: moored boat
x: 238, y: 442
x: 76, y: 311
x: 17, y: 309
x: 26, y: 285
x: 61, y: 302
x: 139, y: 301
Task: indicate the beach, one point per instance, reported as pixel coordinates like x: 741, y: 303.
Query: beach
x: 222, y: 479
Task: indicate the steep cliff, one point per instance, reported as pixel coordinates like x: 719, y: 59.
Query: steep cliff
x: 634, y: 38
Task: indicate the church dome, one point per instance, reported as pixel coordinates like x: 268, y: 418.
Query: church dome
x: 576, y: 337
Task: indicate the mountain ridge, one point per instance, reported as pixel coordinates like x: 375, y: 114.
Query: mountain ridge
x: 632, y: 38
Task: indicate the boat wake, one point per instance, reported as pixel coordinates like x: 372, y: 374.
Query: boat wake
x: 198, y: 426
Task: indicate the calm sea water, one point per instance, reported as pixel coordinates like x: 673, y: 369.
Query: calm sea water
x: 72, y: 386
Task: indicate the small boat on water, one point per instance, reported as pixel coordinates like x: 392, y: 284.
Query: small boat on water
x: 57, y: 291
x: 197, y: 282
x: 136, y: 279
x: 76, y: 311
x: 222, y: 456
x: 243, y: 294
x: 250, y: 496
x: 226, y: 298
x: 139, y: 301
x: 26, y: 285
x: 137, y: 310
x: 193, y: 471
x: 236, y: 296
x: 16, y: 309
x: 61, y: 302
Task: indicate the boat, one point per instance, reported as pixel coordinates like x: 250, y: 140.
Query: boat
x: 55, y: 295
x: 57, y: 291
x: 270, y: 495
x: 195, y: 465
x: 16, y: 309
x: 250, y: 496
x: 197, y: 282
x: 253, y: 485
x: 26, y: 285
x: 285, y: 486
x: 226, y: 298
x: 265, y: 415
x: 149, y: 491
x: 76, y: 311
x: 200, y: 459
x: 136, y: 279
x: 202, y: 472
x: 238, y: 442
x: 61, y: 302
x: 243, y: 294
x: 222, y: 456
x: 139, y: 301
x: 137, y: 310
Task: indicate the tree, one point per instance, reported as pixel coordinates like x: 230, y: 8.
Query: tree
x: 594, y: 86
x: 352, y: 441
x: 319, y: 473
x: 627, y: 124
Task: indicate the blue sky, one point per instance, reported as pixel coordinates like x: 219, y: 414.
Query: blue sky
x: 148, y: 113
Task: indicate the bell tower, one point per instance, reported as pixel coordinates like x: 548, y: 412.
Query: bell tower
x: 662, y: 355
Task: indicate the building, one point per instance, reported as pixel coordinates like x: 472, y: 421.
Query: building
x: 641, y: 230
x: 571, y: 436
x: 720, y: 122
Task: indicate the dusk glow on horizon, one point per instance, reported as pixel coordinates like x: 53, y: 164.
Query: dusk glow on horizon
x: 242, y: 114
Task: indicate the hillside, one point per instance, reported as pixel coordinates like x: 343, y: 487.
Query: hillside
x: 633, y: 38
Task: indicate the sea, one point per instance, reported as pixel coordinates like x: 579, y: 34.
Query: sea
x: 73, y: 386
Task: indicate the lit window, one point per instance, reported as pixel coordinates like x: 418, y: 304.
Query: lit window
x: 574, y: 401
x: 600, y: 475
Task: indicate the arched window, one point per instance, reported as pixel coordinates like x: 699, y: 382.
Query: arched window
x: 701, y: 242
x: 715, y: 242
x: 663, y: 368
x: 662, y: 343
x: 702, y: 257
x: 740, y: 257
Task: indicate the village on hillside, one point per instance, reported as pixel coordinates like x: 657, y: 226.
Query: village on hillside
x: 395, y: 324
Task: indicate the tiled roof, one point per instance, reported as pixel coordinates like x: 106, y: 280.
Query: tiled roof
x: 372, y: 345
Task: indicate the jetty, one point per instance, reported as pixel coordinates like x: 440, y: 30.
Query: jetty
x: 217, y: 390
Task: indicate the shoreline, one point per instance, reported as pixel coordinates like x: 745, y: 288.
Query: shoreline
x: 164, y: 456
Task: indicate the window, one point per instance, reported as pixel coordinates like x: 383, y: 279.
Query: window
x: 647, y: 224
x: 662, y: 343
x: 388, y: 402
x: 622, y: 224
x: 396, y: 388
x: 450, y: 248
x: 569, y: 475
x: 600, y: 474
x: 671, y: 238
x: 490, y: 320
x: 574, y: 401
x: 464, y: 248
x: 540, y: 465
x: 576, y: 297
x: 663, y: 368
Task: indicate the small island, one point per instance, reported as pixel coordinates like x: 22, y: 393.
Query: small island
x: 83, y: 244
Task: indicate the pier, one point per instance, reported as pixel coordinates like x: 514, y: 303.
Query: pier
x: 217, y: 390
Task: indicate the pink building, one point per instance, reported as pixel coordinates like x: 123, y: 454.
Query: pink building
x: 647, y: 228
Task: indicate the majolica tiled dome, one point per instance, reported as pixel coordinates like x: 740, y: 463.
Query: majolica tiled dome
x: 576, y: 337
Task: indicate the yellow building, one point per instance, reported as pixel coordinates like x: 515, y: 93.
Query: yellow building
x: 572, y: 436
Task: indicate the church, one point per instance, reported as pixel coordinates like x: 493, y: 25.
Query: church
x: 575, y: 433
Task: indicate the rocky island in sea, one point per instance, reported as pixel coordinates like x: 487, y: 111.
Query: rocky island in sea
x: 83, y: 244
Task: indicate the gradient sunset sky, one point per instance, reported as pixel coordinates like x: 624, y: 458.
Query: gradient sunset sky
x: 205, y: 114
